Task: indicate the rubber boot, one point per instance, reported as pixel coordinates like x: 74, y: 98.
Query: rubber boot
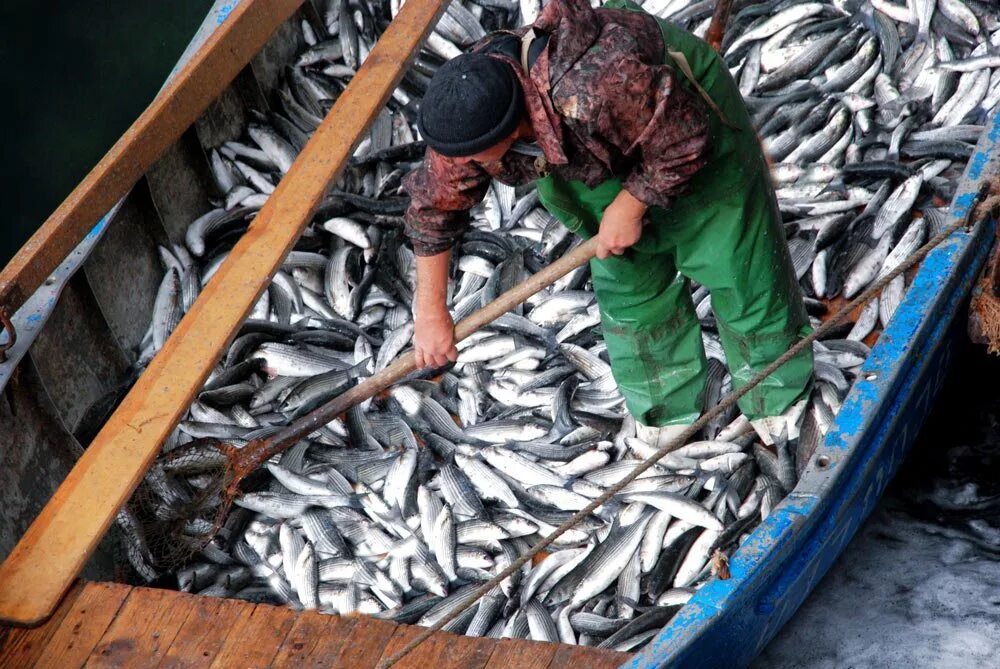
x: 786, y: 425
x: 658, y: 437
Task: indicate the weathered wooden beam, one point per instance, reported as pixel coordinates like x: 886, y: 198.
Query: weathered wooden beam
x: 213, y: 66
x: 43, y: 564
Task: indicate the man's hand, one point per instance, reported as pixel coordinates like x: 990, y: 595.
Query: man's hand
x: 434, y: 339
x: 434, y: 331
x: 621, y: 225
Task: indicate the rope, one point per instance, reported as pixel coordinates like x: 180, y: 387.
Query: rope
x: 726, y: 402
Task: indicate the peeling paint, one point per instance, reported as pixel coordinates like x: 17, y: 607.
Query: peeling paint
x: 976, y: 165
x: 961, y: 204
x: 224, y: 11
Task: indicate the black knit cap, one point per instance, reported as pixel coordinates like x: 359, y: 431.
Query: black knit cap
x: 472, y: 102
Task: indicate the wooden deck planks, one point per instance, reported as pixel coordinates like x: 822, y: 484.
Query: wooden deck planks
x: 313, y: 639
x: 575, y: 657
x: 143, y: 629
x: 255, y: 637
x: 86, y: 621
x: 510, y: 653
x: 112, y: 625
x: 22, y: 646
x: 364, y: 645
x: 441, y: 651
x: 202, y: 634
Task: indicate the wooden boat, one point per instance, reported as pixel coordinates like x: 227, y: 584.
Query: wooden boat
x: 82, y: 291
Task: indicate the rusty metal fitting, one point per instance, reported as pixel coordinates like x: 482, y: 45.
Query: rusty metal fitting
x: 8, y: 327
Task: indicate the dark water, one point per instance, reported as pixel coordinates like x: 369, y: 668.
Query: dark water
x: 74, y: 75
x: 919, y: 586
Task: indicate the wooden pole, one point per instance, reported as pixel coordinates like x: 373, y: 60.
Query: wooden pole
x: 717, y: 27
x: 56, y: 546
x: 252, y: 456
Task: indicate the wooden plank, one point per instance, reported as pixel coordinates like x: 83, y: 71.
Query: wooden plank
x: 124, y: 269
x: 143, y: 630
x: 203, y: 632
x: 84, y: 625
x: 76, y: 355
x: 313, y: 640
x: 57, y: 544
x: 256, y: 637
x: 574, y: 657
x: 440, y: 651
x: 180, y: 185
x: 20, y: 647
x: 227, y: 50
x: 511, y: 653
x: 364, y: 645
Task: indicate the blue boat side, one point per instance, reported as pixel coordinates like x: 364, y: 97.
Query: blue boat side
x: 729, y: 622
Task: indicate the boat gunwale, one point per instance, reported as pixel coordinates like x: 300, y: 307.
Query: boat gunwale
x: 855, y: 450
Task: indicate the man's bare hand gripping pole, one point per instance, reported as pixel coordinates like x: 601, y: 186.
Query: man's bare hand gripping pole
x: 621, y: 225
x: 434, y: 329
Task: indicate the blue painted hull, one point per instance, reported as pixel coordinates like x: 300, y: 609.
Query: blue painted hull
x: 728, y: 623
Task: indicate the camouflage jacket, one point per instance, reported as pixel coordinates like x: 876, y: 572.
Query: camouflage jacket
x: 601, y: 104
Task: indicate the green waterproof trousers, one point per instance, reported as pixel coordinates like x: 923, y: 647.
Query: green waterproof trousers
x: 725, y: 233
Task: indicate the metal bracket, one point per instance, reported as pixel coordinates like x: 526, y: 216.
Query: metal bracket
x: 8, y: 327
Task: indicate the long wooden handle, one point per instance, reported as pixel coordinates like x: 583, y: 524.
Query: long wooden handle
x: 522, y: 291
x: 717, y: 26
x: 406, y: 363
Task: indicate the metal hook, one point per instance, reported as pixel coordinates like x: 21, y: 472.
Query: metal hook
x: 8, y: 327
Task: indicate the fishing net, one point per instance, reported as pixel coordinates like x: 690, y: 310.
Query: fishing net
x: 175, y: 511
x: 182, y: 505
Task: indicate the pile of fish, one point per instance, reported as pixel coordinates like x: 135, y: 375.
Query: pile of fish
x: 868, y: 110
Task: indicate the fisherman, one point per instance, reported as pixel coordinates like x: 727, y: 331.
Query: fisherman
x: 634, y: 131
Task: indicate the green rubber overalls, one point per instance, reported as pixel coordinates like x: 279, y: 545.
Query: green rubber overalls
x: 726, y: 234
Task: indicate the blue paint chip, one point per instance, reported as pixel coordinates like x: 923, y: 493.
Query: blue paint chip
x: 961, y: 204
x: 995, y: 130
x: 99, y: 228
x: 977, y: 164
x: 965, y: 199
x: 225, y: 11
